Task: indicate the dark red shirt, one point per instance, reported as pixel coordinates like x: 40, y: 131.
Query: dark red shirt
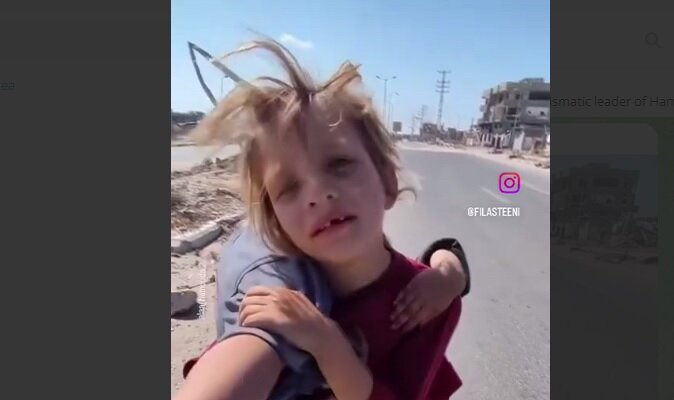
x: 405, y: 366
x: 409, y: 366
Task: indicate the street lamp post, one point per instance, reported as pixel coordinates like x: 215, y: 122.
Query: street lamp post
x: 385, y: 95
x: 390, y: 108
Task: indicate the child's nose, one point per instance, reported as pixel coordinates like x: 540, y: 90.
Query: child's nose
x: 317, y: 200
x: 320, y: 192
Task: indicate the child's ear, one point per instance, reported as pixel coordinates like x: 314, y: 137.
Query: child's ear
x: 390, y: 187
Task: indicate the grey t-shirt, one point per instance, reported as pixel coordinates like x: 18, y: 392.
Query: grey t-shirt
x: 246, y: 262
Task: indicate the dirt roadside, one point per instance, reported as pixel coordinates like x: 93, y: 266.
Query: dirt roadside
x: 200, y: 195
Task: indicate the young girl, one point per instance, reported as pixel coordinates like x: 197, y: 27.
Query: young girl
x: 319, y: 171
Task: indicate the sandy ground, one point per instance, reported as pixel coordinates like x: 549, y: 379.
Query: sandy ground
x: 193, y: 331
x: 199, y: 195
x: 202, y: 194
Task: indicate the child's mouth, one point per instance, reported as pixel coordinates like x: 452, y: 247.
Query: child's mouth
x: 333, y: 224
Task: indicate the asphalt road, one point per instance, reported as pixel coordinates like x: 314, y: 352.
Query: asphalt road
x: 502, y: 345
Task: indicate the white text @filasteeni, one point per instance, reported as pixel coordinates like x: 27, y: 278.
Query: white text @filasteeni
x: 493, y: 211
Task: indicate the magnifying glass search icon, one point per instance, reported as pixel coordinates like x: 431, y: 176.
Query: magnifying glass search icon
x: 652, y: 39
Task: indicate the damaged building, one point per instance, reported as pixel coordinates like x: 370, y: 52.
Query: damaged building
x: 516, y: 115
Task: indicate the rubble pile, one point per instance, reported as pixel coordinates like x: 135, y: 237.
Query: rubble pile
x: 203, y: 194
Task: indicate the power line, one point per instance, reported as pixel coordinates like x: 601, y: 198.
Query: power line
x: 418, y: 117
x: 442, y: 87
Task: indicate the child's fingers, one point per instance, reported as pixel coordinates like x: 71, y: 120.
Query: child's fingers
x: 400, y: 320
x: 407, y: 315
x: 409, y: 297
x: 261, y: 317
x: 254, y: 300
x: 399, y: 297
x: 406, y: 300
x: 421, y: 318
x: 414, y: 321
x: 409, y: 325
x: 398, y: 311
x: 405, y: 296
x: 247, y: 314
x: 260, y: 291
x: 400, y: 315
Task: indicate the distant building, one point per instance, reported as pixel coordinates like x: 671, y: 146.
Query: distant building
x: 470, y: 138
x: 397, y: 126
x: 516, y: 114
x: 190, y: 118
x: 429, y: 131
x: 593, y: 202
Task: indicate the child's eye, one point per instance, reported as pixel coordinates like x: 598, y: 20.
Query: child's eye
x: 340, y: 163
x: 288, y: 189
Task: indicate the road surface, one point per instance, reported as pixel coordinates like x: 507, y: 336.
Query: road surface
x: 502, y: 345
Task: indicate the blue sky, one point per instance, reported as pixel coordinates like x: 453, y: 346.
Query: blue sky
x: 482, y: 43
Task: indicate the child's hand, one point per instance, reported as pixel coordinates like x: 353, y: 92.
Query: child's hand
x: 424, y: 298
x: 287, y: 313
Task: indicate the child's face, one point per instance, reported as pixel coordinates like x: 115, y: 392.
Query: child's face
x: 327, y: 195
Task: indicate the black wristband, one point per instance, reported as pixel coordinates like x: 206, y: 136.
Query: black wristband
x: 454, y: 246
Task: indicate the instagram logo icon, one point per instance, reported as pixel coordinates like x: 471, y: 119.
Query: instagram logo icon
x: 509, y: 183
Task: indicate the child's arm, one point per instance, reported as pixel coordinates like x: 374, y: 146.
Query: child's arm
x: 240, y: 367
x: 417, y: 368
x: 437, y: 254
x: 289, y: 314
x: 344, y: 372
x: 246, y: 263
x: 433, y: 290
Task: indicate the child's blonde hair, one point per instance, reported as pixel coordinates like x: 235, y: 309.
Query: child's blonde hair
x: 276, y: 108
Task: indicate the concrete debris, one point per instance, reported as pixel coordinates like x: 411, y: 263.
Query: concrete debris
x: 182, y: 302
x: 196, y: 240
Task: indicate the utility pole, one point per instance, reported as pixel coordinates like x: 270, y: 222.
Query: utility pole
x: 422, y: 113
x: 421, y: 117
x: 442, y: 87
x: 418, y: 117
x: 385, y: 95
